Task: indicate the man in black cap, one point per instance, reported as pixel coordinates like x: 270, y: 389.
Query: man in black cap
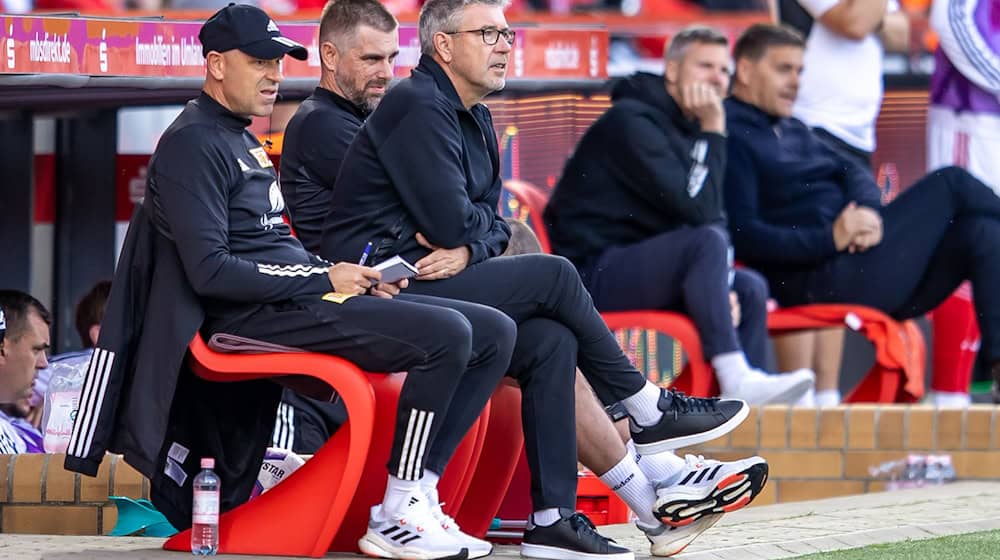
x: 216, y: 210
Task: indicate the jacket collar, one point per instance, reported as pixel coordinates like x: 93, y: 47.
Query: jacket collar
x: 752, y: 113
x: 343, y: 103
x: 225, y: 117
x: 434, y: 70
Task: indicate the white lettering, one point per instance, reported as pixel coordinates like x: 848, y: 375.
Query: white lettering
x: 562, y: 56
x: 56, y: 49
x: 152, y: 54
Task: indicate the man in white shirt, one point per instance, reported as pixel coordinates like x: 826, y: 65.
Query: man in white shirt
x: 840, y: 91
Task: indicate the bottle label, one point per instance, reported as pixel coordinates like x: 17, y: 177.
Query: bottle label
x: 206, y: 507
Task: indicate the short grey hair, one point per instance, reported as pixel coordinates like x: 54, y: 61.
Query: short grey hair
x: 688, y: 36
x: 445, y: 16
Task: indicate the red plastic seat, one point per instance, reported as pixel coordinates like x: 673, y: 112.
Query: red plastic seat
x: 300, y: 516
x: 325, y: 504
x: 532, y: 201
x: 900, y: 350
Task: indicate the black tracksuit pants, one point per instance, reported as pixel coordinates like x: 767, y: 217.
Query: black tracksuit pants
x: 558, y: 329
x: 455, y: 353
x: 941, y: 231
x: 686, y: 270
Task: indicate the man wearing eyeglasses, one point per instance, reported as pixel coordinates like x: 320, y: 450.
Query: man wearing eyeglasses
x: 421, y: 180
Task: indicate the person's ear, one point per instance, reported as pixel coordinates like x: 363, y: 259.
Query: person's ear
x: 328, y: 55
x: 671, y: 71
x: 216, y: 64
x: 444, y: 46
x: 94, y: 332
x: 744, y: 71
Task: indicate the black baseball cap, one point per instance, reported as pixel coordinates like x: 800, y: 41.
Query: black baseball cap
x: 249, y: 29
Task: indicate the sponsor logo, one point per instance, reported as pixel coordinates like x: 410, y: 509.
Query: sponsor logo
x: 272, y: 27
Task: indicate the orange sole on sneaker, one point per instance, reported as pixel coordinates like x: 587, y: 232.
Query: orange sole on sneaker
x: 734, y: 492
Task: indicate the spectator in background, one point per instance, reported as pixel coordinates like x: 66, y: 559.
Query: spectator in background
x: 640, y: 204
x: 813, y: 222
x: 963, y: 128
x: 23, y: 348
x: 840, y: 95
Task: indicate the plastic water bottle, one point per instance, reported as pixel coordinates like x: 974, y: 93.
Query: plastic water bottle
x: 205, y: 519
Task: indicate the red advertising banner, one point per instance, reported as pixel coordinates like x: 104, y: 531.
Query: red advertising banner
x: 147, y: 48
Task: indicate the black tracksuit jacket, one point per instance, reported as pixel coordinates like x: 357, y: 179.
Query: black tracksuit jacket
x: 419, y: 161
x: 640, y: 170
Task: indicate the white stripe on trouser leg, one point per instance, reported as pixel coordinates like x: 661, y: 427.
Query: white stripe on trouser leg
x: 85, y: 396
x: 411, y: 461
x: 101, y: 392
x: 404, y: 449
x: 289, y: 427
x: 423, y: 445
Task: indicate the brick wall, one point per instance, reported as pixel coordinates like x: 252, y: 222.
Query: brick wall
x: 38, y: 496
x: 820, y: 453
x: 813, y: 454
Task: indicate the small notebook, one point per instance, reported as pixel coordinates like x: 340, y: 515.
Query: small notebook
x: 395, y: 269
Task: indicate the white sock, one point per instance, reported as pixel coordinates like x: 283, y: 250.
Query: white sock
x: 656, y: 466
x: 828, y: 397
x: 429, y: 485
x: 945, y: 399
x: 396, y: 492
x: 642, y: 406
x: 730, y: 369
x: 545, y: 517
x: 807, y: 400
x: 628, y: 481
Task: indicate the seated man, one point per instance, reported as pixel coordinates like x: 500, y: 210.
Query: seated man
x: 211, y: 228
x: 640, y: 205
x: 421, y: 180
x: 813, y: 224
x: 24, y: 341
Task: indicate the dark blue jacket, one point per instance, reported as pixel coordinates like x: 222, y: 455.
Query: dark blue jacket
x: 421, y: 163
x: 640, y: 170
x: 784, y: 189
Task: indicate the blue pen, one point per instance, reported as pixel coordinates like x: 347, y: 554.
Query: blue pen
x: 364, y: 255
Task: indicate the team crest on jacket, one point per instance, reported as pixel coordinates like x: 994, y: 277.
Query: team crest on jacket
x: 261, y: 156
x: 277, y: 203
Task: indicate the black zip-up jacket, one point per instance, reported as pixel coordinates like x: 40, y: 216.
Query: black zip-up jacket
x: 208, y: 242
x: 640, y: 170
x: 421, y: 163
x: 315, y: 142
x: 784, y: 190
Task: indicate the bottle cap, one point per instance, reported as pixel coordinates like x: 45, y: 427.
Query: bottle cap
x: 207, y: 463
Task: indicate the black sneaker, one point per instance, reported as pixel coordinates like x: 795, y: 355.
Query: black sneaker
x: 688, y: 421
x: 572, y: 537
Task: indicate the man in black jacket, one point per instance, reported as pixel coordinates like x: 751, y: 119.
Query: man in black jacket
x: 213, y: 199
x: 640, y: 204
x: 421, y: 180
x: 813, y: 223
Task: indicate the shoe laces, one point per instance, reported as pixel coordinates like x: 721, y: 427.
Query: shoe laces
x: 585, y: 528
x: 681, y: 403
x: 420, y: 515
x: 695, y: 461
x: 446, y: 521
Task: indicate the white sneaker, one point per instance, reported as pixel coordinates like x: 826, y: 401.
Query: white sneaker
x: 411, y: 533
x: 706, y: 486
x: 477, y: 547
x: 665, y: 540
x: 758, y: 387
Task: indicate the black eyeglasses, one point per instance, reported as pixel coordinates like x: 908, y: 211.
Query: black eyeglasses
x: 490, y: 34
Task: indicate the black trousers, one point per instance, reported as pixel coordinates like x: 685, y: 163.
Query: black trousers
x: 686, y: 270
x: 532, y: 287
x: 455, y: 353
x: 941, y: 231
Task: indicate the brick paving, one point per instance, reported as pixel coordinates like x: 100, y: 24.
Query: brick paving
x: 776, y: 531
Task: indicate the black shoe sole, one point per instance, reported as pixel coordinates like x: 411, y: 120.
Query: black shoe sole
x: 732, y: 493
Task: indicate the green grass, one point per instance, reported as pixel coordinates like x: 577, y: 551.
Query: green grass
x: 971, y: 546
